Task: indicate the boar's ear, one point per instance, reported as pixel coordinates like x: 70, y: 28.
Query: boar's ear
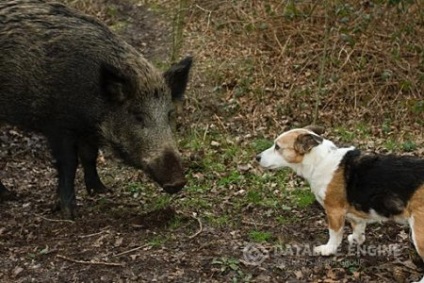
x: 114, y: 83
x: 177, y: 77
x: 305, y: 142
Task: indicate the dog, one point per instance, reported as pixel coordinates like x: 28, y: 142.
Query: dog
x: 352, y: 185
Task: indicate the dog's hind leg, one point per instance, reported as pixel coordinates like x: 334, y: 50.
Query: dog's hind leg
x: 416, y: 222
x: 358, y: 234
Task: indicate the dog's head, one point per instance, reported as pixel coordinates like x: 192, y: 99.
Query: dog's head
x: 291, y: 147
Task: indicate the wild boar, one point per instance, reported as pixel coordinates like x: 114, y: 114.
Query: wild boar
x: 67, y: 76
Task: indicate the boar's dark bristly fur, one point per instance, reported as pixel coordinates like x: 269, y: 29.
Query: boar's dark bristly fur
x: 67, y: 76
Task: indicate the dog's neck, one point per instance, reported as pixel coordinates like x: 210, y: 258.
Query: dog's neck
x: 319, y: 165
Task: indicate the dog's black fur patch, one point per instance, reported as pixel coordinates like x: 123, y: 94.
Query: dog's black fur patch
x: 384, y: 183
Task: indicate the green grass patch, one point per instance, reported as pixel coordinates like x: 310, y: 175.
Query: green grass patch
x: 254, y: 197
x: 196, y: 203
x: 283, y: 219
x: 259, y: 236
x: 391, y: 144
x: 161, y: 201
x: 233, y: 177
x: 409, y: 145
x: 176, y: 222
x: 302, y: 197
x: 259, y: 145
x: 219, y: 221
x: 346, y: 135
x: 157, y: 241
x: 134, y: 187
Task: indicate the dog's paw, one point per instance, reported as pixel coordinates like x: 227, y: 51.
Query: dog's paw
x: 325, y: 250
x: 355, y: 239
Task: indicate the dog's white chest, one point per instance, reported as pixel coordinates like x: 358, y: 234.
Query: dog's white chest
x: 319, y: 196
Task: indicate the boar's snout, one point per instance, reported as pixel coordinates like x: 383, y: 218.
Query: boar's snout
x: 167, y: 171
x: 175, y: 187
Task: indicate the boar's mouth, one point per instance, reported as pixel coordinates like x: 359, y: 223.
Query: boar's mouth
x: 175, y: 188
x: 166, y: 169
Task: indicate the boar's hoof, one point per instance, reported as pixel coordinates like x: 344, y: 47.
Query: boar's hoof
x: 93, y: 183
x: 67, y: 212
x: 97, y: 189
x: 175, y: 187
x: 6, y: 195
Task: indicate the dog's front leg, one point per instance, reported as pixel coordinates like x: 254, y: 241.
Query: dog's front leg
x: 336, y: 219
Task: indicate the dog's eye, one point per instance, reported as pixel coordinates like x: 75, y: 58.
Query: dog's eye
x: 277, y: 147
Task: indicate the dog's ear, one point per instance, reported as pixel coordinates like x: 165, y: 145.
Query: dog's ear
x: 305, y: 142
x: 319, y: 130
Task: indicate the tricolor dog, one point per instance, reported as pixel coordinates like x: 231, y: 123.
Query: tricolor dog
x: 352, y: 185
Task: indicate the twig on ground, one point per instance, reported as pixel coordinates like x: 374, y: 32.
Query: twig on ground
x: 200, y: 227
x: 381, y: 277
x: 55, y: 220
x: 90, y: 262
x: 132, y: 250
x: 92, y: 235
x: 256, y: 224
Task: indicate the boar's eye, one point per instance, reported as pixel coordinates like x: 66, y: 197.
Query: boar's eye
x: 277, y: 147
x: 139, y: 118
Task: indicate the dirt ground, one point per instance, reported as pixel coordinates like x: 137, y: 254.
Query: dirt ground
x: 118, y: 238
x: 130, y: 237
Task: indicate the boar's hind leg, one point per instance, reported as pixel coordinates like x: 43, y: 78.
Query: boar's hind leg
x: 64, y: 150
x: 5, y: 194
x: 88, y: 155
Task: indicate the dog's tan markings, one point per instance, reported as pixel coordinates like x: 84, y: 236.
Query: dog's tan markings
x: 291, y: 156
x: 286, y: 144
x: 335, y: 218
x: 416, y: 210
x: 336, y: 194
x: 293, y: 145
x: 335, y: 202
x: 336, y: 199
x: 288, y: 139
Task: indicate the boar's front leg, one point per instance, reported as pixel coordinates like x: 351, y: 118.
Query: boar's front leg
x: 64, y: 150
x: 88, y: 153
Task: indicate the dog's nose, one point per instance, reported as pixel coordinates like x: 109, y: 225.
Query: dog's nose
x: 258, y: 158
